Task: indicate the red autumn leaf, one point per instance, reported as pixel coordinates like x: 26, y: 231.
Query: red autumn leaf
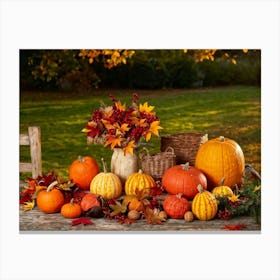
x: 84, y: 221
x: 234, y: 227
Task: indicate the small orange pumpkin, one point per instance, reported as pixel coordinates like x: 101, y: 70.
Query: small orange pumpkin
x: 176, y: 206
x: 71, y: 210
x: 50, y: 200
x: 82, y: 171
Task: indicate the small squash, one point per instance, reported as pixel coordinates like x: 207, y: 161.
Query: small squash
x: 89, y: 200
x: 138, y: 181
x: 136, y: 204
x: 82, y: 171
x: 183, y: 179
x: 204, y: 205
x: 221, y: 158
x: 175, y: 206
x: 50, y: 200
x: 106, y: 184
x: 222, y: 190
x: 71, y: 210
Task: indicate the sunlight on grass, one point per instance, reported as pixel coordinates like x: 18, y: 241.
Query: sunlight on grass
x: 234, y: 112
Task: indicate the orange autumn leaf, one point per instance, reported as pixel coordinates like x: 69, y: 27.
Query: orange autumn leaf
x: 129, y: 148
x: 113, y: 141
x: 107, y: 124
x: 153, y: 130
x: 121, y: 129
x: 146, y: 108
x: 120, y: 106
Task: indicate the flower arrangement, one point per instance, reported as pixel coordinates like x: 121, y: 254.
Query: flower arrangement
x: 121, y: 126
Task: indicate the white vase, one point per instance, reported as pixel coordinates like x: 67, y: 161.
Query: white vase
x: 123, y: 165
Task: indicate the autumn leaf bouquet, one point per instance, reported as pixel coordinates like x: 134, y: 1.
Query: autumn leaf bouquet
x: 122, y: 126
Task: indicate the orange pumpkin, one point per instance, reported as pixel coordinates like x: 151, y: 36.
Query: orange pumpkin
x: 89, y: 200
x: 183, y: 179
x: 82, y: 171
x: 71, y: 210
x: 176, y: 206
x: 221, y: 158
x: 50, y: 200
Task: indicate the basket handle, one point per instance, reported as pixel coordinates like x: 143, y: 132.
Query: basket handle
x: 169, y: 148
x: 147, y: 152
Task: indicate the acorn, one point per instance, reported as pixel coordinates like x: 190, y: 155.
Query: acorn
x: 188, y: 216
x: 133, y: 214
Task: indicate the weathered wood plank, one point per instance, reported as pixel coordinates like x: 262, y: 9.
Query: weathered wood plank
x: 24, y: 139
x: 34, y: 221
x: 25, y: 167
x: 33, y: 139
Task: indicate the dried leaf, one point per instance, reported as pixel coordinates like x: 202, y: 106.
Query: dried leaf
x: 84, y: 221
x: 28, y: 205
x: 234, y: 227
x: 118, y: 208
x: 152, y: 216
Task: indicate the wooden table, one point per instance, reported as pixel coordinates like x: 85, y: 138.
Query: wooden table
x: 35, y: 221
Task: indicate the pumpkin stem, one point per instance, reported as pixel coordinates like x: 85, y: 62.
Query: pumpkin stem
x: 200, y: 188
x: 222, y: 139
x: 72, y: 201
x: 185, y: 166
x: 81, y: 158
x: 104, y: 165
x: 50, y: 187
x: 179, y: 195
x: 140, y: 171
x: 223, y: 181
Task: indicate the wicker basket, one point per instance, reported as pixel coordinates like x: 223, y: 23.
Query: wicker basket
x: 185, y: 145
x: 155, y: 165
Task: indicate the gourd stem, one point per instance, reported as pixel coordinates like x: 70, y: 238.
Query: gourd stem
x: 222, y: 139
x: 81, y: 158
x: 223, y: 181
x: 104, y: 165
x: 200, y: 188
x: 140, y: 171
x: 185, y: 166
x: 54, y: 183
x: 72, y: 201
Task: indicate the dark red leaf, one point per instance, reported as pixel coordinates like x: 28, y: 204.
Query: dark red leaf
x: 84, y: 221
x: 234, y: 227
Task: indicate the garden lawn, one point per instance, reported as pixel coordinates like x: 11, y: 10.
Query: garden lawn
x: 233, y: 112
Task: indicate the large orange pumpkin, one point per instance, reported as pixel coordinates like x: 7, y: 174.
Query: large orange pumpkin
x: 183, y: 179
x: 50, y: 200
x: 221, y: 158
x: 82, y: 171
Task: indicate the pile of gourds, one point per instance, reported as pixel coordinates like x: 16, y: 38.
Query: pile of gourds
x: 191, y: 190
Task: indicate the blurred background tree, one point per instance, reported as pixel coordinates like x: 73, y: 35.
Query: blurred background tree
x: 85, y: 70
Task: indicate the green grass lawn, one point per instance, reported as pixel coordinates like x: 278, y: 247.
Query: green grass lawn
x: 233, y: 112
